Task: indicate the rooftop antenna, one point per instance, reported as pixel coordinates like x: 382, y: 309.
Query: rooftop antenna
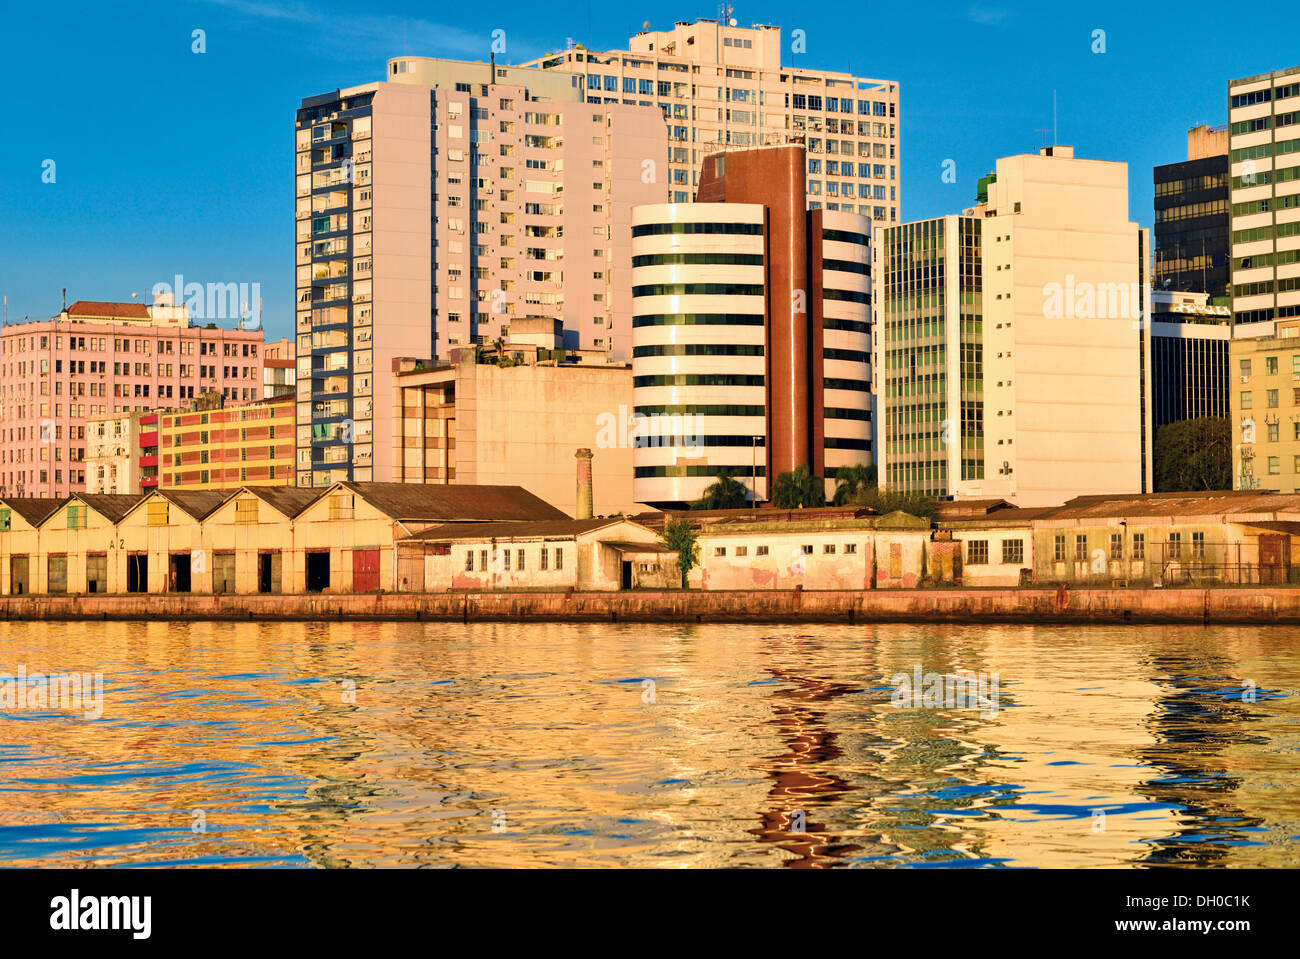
x: 1044, y: 132
x: 1055, y: 141
x: 65, y: 300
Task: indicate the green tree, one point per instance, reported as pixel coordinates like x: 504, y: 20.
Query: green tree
x: 1193, y: 455
x: 850, y: 480
x: 679, y: 536
x: 726, y: 492
x: 884, y: 500
x: 798, y: 489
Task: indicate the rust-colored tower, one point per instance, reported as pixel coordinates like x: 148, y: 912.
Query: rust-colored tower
x: 775, y: 177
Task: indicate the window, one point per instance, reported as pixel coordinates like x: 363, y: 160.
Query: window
x: 1274, y: 465
x: 559, y: 558
x: 4, y: 519
x: 719, y: 551
x: 850, y: 547
x: 341, y: 506
x: 1246, y: 399
x: 760, y: 550
x: 1058, y: 548
x: 977, y: 552
x: 828, y: 548
x: 505, y: 559
x: 807, y: 549
x: 1116, y: 545
x: 1198, y: 546
x: 546, y: 558
x: 1272, y: 399
x: 482, y: 560
x: 77, y: 516
x: 742, y: 550
x: 1175, y: 545
x: 519, y: 560
x: 1080, y: 548
x: 157, y: 515
x: 1013, y: 551
x: 1139, y: 545
x: 246, y: 511
x: 1270, y: 365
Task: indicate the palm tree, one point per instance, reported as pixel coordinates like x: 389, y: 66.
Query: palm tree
x: 726, y: 492
x: 798, y: 489
x: 849, y: 480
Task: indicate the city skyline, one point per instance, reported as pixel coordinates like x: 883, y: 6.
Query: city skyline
x: 182, y: 195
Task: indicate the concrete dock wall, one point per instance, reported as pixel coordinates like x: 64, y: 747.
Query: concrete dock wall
x: 1259, y: 605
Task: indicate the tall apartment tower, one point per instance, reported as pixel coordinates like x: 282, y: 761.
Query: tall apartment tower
x: 1264, y: 157
x: 1191, y: 222
x: 1012, y: 342
x: 752, y: 326
x: 719, y: 85
x: 435, y: 207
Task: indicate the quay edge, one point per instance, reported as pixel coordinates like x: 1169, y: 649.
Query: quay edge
x: 1243, y: 605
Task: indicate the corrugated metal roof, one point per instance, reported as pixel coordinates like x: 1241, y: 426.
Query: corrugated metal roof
x: 513, y: 530
x: 289, y: 500
x: 35, y: 509
x: 431, y: 502
x: 197, y: 503
x: 1212, y: 503
x: 111, y: 506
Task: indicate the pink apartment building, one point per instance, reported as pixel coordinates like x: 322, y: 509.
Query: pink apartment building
x: 96, y: 358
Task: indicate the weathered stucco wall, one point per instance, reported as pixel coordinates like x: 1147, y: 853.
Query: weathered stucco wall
x: 1243, y: 605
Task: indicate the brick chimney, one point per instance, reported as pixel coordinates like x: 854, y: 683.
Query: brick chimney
x: 583, y: 457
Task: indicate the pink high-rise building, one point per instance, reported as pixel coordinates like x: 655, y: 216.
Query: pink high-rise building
x: 96, y: 358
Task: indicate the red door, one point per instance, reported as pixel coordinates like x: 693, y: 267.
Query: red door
x: 365, y: 570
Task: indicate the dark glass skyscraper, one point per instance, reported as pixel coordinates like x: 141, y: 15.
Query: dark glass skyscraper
x: 1191, y: 218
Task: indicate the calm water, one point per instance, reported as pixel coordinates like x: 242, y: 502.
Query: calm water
x: 337, y: 744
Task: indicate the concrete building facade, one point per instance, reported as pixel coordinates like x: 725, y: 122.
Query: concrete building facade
x: 113, y: 453
x: 719, y: 85
x: 98, y: 358
x: 1264, y: 171
x: 753, y: 320
x: 1189, y: 357
x: 1265, y: 400
x: 1013, y: 341
x: 517, y: 418
x: 215, y: 446
x: 437, y: 207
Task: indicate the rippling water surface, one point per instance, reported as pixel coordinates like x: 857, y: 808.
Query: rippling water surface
x: 405, y: 744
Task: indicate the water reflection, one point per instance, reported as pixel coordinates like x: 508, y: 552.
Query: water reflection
x: 340, y: 744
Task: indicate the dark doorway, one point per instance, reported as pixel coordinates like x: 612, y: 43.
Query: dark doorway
x: 627, y: 574
x: 19, y: 572
x: 179, y: 573
x: 318, y: 571
x: 268, y: 572
x: 137, y: 573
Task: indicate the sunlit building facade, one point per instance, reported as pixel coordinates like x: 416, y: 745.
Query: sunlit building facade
x: 721, y: 85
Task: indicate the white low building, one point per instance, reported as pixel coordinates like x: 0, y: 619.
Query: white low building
x: 589, y: 554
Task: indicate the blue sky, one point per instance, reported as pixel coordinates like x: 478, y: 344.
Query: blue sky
x: 168, y: 161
